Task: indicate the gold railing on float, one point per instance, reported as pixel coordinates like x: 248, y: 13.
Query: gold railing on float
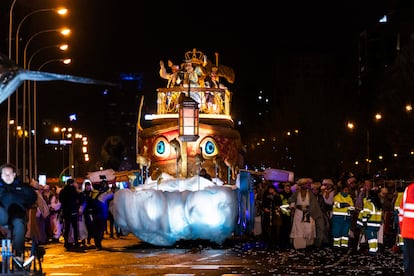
x: 211, y: 100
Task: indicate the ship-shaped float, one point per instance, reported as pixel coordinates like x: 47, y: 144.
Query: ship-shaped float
x: 212, y: 143
x: 192, y: 131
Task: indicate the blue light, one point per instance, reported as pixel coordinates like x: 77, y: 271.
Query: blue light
x: 130, y: 76
x: 72, y: 117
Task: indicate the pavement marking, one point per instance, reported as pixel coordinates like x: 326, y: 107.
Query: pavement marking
x: 179, y: 274
x: 209, y: 257
x: 64, y: 274
x: 186, y: 266
x: 66, y: 265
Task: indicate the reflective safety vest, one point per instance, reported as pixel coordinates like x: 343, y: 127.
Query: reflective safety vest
x: 369, y: 216
x: 336, y: 208
x: 406, y: 213
x: 398, y: 200
x: 285, y: 205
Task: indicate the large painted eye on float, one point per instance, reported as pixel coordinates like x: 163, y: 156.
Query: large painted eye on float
x: 162, y: 147
x: 209, y: 148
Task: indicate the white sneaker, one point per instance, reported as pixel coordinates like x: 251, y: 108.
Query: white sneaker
x: 18, y: 261
x: 28, y: 261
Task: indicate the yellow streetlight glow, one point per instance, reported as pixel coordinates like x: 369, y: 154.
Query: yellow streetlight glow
x: 62, y: 11
x: 64, y: 47
x: 65, y: 31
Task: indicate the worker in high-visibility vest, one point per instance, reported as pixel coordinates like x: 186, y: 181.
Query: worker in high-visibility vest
x: 406, y: 217
x: 369, y: 220
x: 341, y: 218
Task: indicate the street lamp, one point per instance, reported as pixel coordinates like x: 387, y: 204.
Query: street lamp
x: 84, y: 148
x: 69, y: 134
x: 60, y: 11
x: 64, y: 61
x: 64, y: 32
x: 62, y: 47
x: 351, y: 126
x: 377, y: 118
x: 65, y: 133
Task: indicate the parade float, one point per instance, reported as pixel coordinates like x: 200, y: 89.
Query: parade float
x: 191, y: 132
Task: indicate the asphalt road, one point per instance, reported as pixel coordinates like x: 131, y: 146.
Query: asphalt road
x: 129, y: 256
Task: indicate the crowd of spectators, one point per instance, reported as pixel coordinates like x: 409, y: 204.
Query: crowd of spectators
x: 75, y: 214
x: 351, y: 214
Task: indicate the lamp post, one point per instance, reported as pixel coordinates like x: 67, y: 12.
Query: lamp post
x: 62, y: 31
x: 72, y: 162
x: 65, y: 133
x: 61, y: 11
x: 377, y: 118
x: 69, y: 134
x: 64, y: 61
x: 368, y: 141
x: 8, y: 99
x: 65, y: 32
x: 62, y: 47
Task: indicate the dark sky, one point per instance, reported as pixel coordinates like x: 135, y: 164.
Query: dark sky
x: 112, y: 36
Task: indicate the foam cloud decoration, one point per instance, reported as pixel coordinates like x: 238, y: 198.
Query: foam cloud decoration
x: 177, y: 209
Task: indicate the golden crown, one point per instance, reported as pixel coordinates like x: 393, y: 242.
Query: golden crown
x: 194, y: 56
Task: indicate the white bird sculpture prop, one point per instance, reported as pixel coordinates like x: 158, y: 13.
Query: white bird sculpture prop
x: 11, y: 77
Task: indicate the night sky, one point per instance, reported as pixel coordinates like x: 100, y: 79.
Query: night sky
x: 111, y: 37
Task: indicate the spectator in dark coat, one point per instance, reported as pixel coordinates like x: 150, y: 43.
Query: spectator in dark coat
x: 272, y: 220
x: 15, y: 199
x: 70, y: 200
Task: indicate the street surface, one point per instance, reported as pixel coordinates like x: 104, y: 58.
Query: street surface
x: 128, y: 256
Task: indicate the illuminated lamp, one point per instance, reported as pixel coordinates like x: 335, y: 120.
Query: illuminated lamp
x: 188, y: 120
